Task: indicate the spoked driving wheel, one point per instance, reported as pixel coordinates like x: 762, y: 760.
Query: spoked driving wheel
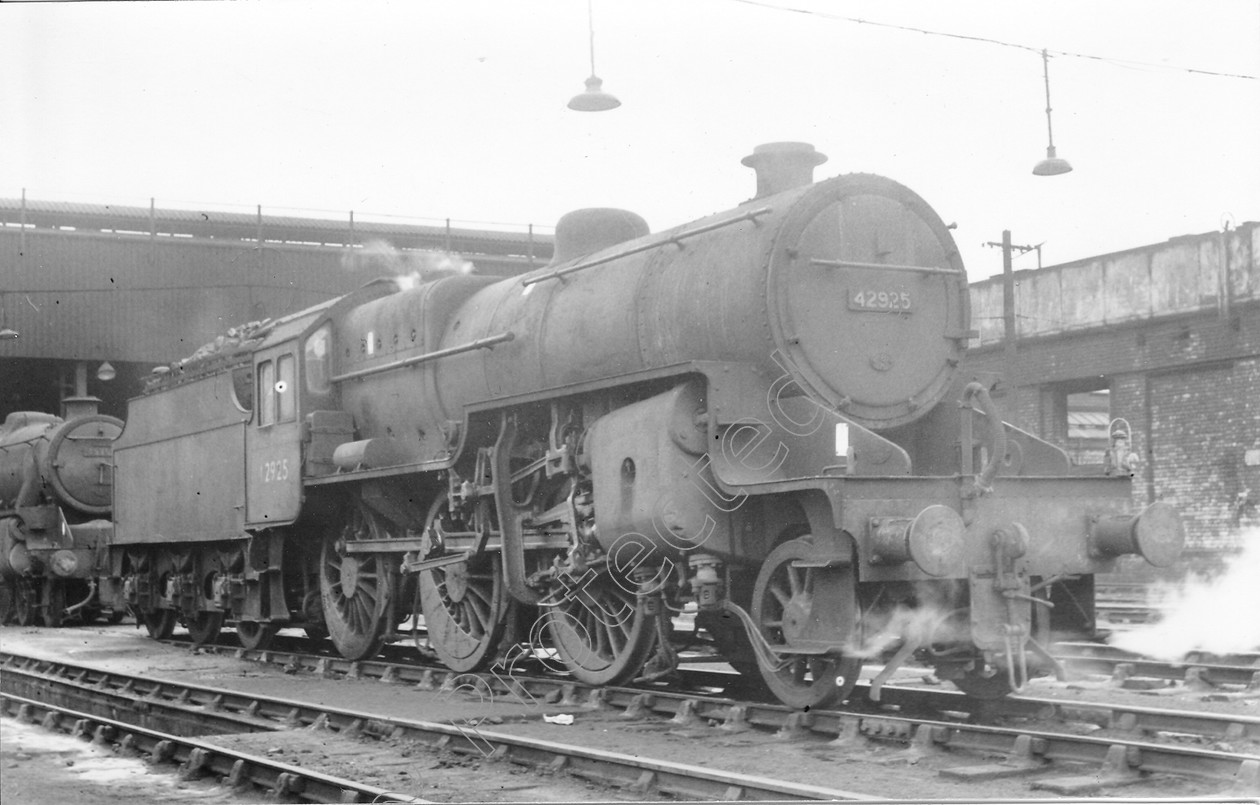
x: 601, y: 631
x: 784, y: 601
x: 357, y: 590
x: 464, y: 604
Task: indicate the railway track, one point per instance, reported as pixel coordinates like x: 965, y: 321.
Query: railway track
x: 1123, y: 605
x: 117, y: 707
x: 1129, y: 740
x: 703, y: 687
x: 196, y: 757
x: 1201, y: 668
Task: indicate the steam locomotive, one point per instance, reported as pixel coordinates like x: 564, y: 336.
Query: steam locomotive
x: 760, y: 416
x: 55, y: 498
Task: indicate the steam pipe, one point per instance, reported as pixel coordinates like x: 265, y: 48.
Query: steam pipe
x: 983, y: 483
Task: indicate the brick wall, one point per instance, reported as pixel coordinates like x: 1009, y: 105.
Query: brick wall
x: 1203, y: 422
x: 1190, y: 388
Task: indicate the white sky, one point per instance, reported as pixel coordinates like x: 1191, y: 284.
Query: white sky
x: 457, y: 109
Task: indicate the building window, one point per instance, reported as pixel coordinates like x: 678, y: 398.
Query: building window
x: 1088, y: 415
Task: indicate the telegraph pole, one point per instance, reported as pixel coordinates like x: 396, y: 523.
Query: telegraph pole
x: 1008, y: 293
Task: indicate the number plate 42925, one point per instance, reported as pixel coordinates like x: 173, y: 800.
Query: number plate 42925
x: 880, y: 300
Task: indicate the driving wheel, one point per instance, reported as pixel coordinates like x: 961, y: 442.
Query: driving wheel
x: 357, y: 590
x: 784, y: 598
x: 464, y: 604
x: 601, y: 631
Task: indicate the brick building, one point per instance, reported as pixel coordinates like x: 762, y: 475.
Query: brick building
x: 1170, y: 333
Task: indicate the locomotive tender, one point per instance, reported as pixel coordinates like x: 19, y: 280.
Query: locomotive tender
x: 760, y: 413
x: 55, y: 498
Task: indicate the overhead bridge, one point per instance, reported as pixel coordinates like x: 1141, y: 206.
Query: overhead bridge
x: 138, y: 286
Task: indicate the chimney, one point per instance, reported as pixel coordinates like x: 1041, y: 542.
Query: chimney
x: 75, y: 407
x: 782, y: 166
x: 80, y: 403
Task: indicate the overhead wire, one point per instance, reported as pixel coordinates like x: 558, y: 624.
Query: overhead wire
x: 990, y: 41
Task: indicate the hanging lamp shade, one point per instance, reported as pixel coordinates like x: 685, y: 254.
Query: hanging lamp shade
x: 593, y: 98
x: 1052, y: 165
x: 7, y: 333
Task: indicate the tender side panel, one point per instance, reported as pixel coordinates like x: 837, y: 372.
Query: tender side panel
x: 179, y: 465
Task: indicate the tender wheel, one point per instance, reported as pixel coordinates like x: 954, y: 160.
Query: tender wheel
x: 464, y: 605
x: 254, y: 635
x: 204, y: 627
x: 782, y: 606
x: 601, y: 631
x: 54, y: 602
x: 160, y: 622
x: 357, y: 592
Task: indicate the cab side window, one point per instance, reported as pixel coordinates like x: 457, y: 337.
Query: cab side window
x: 243, y: 387
x: 286, y: 392
x: 277, y: 394
x: 318, y: 361
x: 266, y: 393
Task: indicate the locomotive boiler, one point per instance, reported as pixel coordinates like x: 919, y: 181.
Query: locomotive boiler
x: 55, y: 499
x: 760, y: 414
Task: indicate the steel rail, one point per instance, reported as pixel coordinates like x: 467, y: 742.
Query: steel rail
x: 1241, y: 659
x: 1214, y: 669
x: 880, y: 725
x: 106, y: 696
x: 638, y: 774
x: 200, y: 757
x: 1136, y: 719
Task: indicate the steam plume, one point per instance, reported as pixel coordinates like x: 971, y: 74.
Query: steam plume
x: 1218, y: 615
x: 924, y: 624
x: 408, y: 268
